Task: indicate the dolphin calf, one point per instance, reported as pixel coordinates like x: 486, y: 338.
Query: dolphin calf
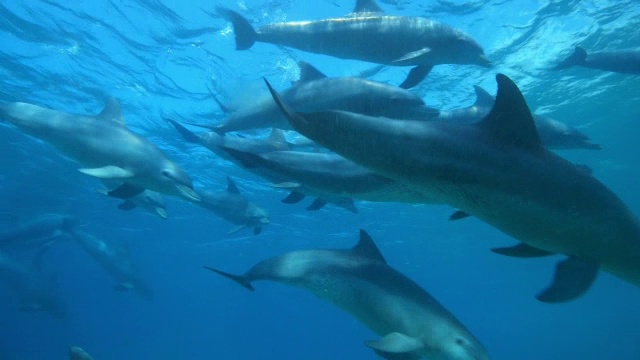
x: 368, y: 34
x: 116, y: 261
x: 78, y: 353
x: 38, y: 232
x: 148, y: 200
x: 105, y: 147
x: 235, y: 208
x: 413, y: 324
x: 554, y: 134
x: 498, y: 171
x: 622, y: 61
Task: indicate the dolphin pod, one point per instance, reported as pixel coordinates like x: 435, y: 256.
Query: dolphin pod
x: 498, y: 171
x: 368, y: 34
x: 411, y: 322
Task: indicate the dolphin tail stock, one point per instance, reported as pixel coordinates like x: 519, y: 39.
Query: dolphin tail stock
x: 578, y: 57
x: 416, y: 75
x: 186, y: 133
x: 237, y: 278
x: 245, y: 34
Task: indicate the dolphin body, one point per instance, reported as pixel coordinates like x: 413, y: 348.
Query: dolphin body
x: 553, y: 133
x: 150, y: 201
x: 37, y: 233
x: 105, y: 147
x: 498, y: 171
x: 413, y: 324
x: 368, y: 34
x: 624, y: 61
x: 78, y: 353
x: 235, y: 208
x: 315, y: 92
x: 116, y: 261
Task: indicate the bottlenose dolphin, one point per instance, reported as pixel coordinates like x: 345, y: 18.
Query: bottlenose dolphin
x: 38, y: 232
x: 116, y: 261
x: 235, y: 208
x: 315, y: 92
x: 105, y: 146
x: 553, y: 133
x: 148, y: 200
x: 622, y: 61
x: 368, y: 34
x: 413, y: 324
x: 78, y: 353
x: 498, y: 171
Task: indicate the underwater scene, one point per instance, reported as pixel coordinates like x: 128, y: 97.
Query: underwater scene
x: 328, y: 179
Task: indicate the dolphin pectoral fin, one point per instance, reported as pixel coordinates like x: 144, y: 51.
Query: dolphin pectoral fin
x: 188, y: 193
x: 572, y: 278
x: 413, y: 55
x: 293, y: 198
x: 396, y: 346
x: 162, y: 212
x: 257, y: 230
x: 125, y: 191
x: 237, y: 278
x: 458, y: 215
x: 108, y: 172
x: 127, y: 205
x: 236, y: 229
x: 317, y: 204
x: 522, y: 250
x: 416, y: 75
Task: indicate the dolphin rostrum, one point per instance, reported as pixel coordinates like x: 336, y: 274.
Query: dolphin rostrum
x: 622, y: 61
x: 413, y: 324
x: 105, y: 147
x: 498, y: 171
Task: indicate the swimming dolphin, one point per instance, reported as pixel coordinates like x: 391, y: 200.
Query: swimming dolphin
x: 148, y: 200
x: 38, y: 232
x: 105, y: 147
x: 553, y: 133
x: 78, y: 353
x: 116, y: 261
x: 315, y: 91
x: 235, y: 208
x: 368, y: 34
x: 498, y: 171
x: 413, y: 324
x: 622, y: 61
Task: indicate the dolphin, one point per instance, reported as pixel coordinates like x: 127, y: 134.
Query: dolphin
x: 35, y: 290
x: 315, y: 91
x: 235, y: 208
x: 368, y: 34
x: 78, y: 353
x: 105, y: 147
x: 498, y: 171
x: 116, y: 261
x: 38, y: 232
x: 148, y: 200
x: 413, y: 324
x: 622, y: 61
x: 554, y: 134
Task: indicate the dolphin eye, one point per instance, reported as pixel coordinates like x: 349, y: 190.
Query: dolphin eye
x: 166, y: 173
x: 460, y: 341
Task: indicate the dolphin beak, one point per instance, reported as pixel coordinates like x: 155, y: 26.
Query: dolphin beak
x: 265, y: 221
x: 188, y: 192
x: 161, y: 212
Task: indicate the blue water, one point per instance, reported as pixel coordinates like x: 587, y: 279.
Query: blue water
x: 161, y: 58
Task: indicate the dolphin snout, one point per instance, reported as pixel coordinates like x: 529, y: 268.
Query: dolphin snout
x: 484, y: 61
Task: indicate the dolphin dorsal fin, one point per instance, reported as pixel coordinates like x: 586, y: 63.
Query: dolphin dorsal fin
x: 112, y: 111
x: 309, y: 72
x: 483, y: 98
x: 367, y: 248
x: 277, y: 138
x: 367, y: 6
x: 510, y: 119
x: 231, y: 186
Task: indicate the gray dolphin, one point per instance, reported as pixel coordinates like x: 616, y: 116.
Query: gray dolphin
x: 35, y: 290
x: 554, y: 134
x: 315, y: 91
x: 148, y: 200
x: 116, y: 261
x: 105, y: 147
x: 498, y: 171
x: 622, y: 61
x: 413, y: 324
x: 368, y: 34
x: 235, y: 208
x: 78, y: 353
x: 38, y: 232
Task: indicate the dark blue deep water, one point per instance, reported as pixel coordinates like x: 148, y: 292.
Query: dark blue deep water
x: 162, y: 58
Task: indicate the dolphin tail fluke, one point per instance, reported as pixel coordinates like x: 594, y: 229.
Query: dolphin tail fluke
x: 416, y: 75
x: 579, y: 57
x: 572, y: 278
x: 186, y: 133
x: 246, y: 35
x: 237, y: 278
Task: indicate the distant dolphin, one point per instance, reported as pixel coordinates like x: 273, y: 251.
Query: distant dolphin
x: 105, y: 146
x: 369, y: 35
x: 497, y: 171
x: 623, y: 61
x: 413, y: 324
x: 116, y: 261
x: 40, y: 231
x: 77, y: 353
x: 235, y: 208
x: 553, y: 133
